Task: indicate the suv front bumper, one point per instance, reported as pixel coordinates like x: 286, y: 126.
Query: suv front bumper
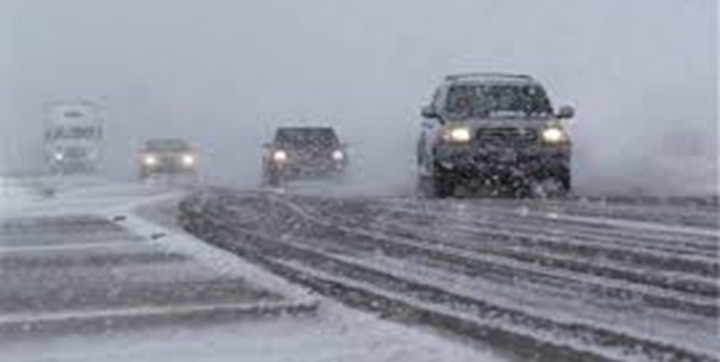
x: 306, y: 169
x: 472, y: 161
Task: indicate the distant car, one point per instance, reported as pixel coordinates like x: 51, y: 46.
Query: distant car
x: 167, y: 157
x: 304, y: 152
x: 494, y: 130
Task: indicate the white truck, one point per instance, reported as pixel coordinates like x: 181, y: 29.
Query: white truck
x: 73, y: 137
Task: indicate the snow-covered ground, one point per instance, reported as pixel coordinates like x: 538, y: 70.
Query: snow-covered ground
x: 336, y: 335
x: 14, y: 194
x: 333, y: 333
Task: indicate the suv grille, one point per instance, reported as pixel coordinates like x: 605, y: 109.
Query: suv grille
x: 506, y: 136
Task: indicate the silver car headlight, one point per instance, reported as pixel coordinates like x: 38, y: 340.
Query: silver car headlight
x: 150, y: 160
x: 457, y: 134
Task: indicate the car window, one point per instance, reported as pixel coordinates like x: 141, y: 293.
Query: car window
x: 306, y: 137
x: 168, y: 145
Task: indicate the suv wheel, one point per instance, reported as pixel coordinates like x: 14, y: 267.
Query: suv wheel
x: 272, y: 178
x: 555, y: 186
x: 442, y: 183
x: 443, y: 187
x: 566, y: 180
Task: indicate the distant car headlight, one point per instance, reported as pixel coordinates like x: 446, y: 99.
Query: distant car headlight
x: 458, y: 134
x: 554, y: 135
x: 150, y: 160
x: 188, y: 160
x: 338, y: 155
x: 280, y: 156
x: 59, y: 156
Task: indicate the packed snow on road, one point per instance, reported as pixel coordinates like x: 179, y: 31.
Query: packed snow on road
x: 171, y: 270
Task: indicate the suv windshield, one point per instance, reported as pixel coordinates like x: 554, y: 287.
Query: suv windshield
x: 306, y: 137
x: 488, y: 101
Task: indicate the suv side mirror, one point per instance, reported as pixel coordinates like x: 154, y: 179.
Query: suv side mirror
x: 566, y: 112
x: 429, y: 112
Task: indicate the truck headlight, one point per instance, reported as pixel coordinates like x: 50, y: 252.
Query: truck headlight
x: 458, y: 134
x: 150, y: 160
x: 280, y: 156
x: 338, y: 155
x: 188, y: 160
x: 554, y: 135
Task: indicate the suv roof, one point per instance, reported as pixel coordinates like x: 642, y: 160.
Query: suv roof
x: 304, y: 127
x: 490, y: 77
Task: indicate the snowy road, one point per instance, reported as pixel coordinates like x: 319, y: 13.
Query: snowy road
x: 620, y: 279
x: 92, y: 270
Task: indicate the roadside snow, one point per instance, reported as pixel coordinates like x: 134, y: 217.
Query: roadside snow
x: 50, y: 196
x: 335, y: 333
x: 222, y: 262
x: 14, y: 194
x: 352, y: 337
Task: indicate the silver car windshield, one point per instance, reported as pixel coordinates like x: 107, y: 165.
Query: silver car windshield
x: 306, y: 137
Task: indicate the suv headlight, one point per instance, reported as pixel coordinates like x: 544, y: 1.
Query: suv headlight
x: 280, y: 156
x: 457, y: 134
x: 338, y: 155
x: 554, y: 135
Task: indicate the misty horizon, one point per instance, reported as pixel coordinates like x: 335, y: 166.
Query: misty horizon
x: 642, y: 75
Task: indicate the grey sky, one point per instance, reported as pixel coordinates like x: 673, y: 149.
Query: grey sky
x: 642, y: 74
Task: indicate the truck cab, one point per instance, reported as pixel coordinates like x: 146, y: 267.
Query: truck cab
x: 73, y: 139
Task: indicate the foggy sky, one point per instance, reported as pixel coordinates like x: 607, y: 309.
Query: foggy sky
x: 642, y: 74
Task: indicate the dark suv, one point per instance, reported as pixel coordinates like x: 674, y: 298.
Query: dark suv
x: 494, y: 130
x: 167, y: 157
x: 304, y: 152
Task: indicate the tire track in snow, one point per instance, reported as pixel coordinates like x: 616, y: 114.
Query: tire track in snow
x: 324, y: 257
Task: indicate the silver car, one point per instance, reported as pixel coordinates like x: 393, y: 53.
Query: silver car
x: 167, y: 157
x: 304, y: 153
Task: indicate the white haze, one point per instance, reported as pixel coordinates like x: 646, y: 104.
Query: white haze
x: 642, y: 74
